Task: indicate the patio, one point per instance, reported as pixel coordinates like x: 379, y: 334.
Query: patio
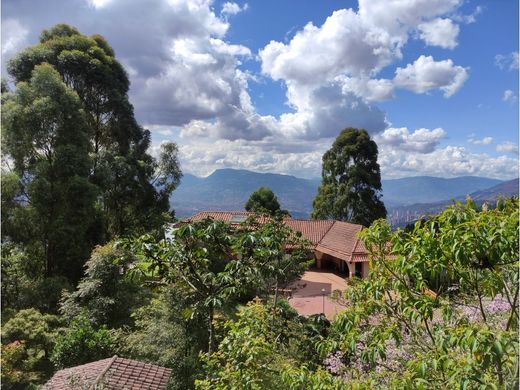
x: 307, y: 295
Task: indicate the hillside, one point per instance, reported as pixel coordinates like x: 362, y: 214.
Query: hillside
x: 229, y: 189
x: 427, y: 189
x: 402, y: 215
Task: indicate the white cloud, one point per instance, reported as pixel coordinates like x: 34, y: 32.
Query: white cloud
x: 507, y: 61
x: 440, y: 32
x: 202, y: 158
x: 469, y: 18
x: 509, y: 96
x: 369, y: 89
x: 507, y: 147
x: 476, y: 141
x: 420, y: 141
x: 230, y: 8
x: 186, y: 76
x: 426, y: 74
x: 450, y: 161
x: 14, y: 36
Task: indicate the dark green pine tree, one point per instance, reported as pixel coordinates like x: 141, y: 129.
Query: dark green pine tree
x: 351, y: 180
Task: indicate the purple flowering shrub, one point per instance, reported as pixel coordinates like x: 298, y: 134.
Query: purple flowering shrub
x: 440, y: 306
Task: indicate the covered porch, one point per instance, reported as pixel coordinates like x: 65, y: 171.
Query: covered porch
x: 344, y: 267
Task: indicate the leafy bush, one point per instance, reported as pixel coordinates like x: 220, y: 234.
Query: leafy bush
x: 104, y: 293
x: 403, y: 329
x: 82, y: 343
x: 165, y: 337
x: 23, y: 285
x: 27, y: 341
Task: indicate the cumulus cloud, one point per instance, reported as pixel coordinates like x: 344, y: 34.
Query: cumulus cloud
x: 187, y: 77
x: 477, y: 141
x: 420, y: 141
x: 440, y: 32
x: 449, y: 161
x: 507, y: 147
x: 264, y: 156
x: 509, y: 96
x: 348, y: 50
x: 14, y: 36
x: 230, y: 8
x: 426, y: 74
x: 507, y: 61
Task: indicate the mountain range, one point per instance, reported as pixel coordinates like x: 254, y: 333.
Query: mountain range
x: 229, y: 189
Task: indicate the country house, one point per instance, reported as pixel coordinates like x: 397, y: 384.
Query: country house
x: 335, y: 244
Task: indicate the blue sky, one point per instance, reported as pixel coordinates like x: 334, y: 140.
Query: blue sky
x: 267, y: 85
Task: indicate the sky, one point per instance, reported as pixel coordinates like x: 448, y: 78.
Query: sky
x: 267, y: 85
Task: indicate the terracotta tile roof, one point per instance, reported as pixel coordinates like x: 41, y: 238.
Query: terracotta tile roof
x: 111, y: 374
x: 335, y: 238
x: 314, y: 231
x: 340, y: 240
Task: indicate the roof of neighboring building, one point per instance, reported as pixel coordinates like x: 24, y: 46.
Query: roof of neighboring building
x: 111, y: 374
x: 335, y: 238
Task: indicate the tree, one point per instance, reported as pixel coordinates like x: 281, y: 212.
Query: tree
x: 163, y: 335
x: 46, y: 135
x: 215, y: 264
x: 82, y: 343
x: 264, y: 200
x: 257, y: 354
x: 351, y: 181
x: 120, y: 166
x: 27, y: 342
x: 402, y: 329
x: 104, y: 294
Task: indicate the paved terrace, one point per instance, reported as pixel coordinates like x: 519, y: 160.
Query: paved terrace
x: 307, y: 296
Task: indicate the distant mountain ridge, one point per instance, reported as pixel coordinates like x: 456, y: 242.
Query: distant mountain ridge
x: 400, y: 216
x: 229, y: 189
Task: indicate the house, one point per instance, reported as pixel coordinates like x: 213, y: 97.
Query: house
x: 114, y: 373
x: 335, y: 244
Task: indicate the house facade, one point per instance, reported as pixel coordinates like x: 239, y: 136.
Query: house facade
x: 336, y: 245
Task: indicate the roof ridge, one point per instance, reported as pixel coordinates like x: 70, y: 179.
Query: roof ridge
x: 102, y: 374
x: 328, y: 230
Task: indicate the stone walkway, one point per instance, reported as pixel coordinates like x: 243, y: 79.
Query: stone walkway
x: 307, y: 297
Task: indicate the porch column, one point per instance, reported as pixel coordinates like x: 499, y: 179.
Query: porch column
x: 351, y: 270
x: 318, y: 256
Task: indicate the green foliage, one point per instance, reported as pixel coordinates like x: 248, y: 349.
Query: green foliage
x: 82, y: 343
x: 351, y: 180
x: 104, y: 293
x: 23, y: 285
x: 163, y: 336
x: 46, y: 134
x: 264, y: 200
x: 257, y: 354
x: 80, y: 166
x: 214, y: 264
x: 27, y: 342
x: 406, y: 330
x: 120, y: 166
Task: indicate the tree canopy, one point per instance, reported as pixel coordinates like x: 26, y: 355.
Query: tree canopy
x: 264, y: 200
x: 79, y: 162
x: 119, y: 165
x: 350, y: 189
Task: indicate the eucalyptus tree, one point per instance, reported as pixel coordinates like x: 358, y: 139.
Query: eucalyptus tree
x: 47, y: 137
x: 119, y: 163
x: 350, y: 189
